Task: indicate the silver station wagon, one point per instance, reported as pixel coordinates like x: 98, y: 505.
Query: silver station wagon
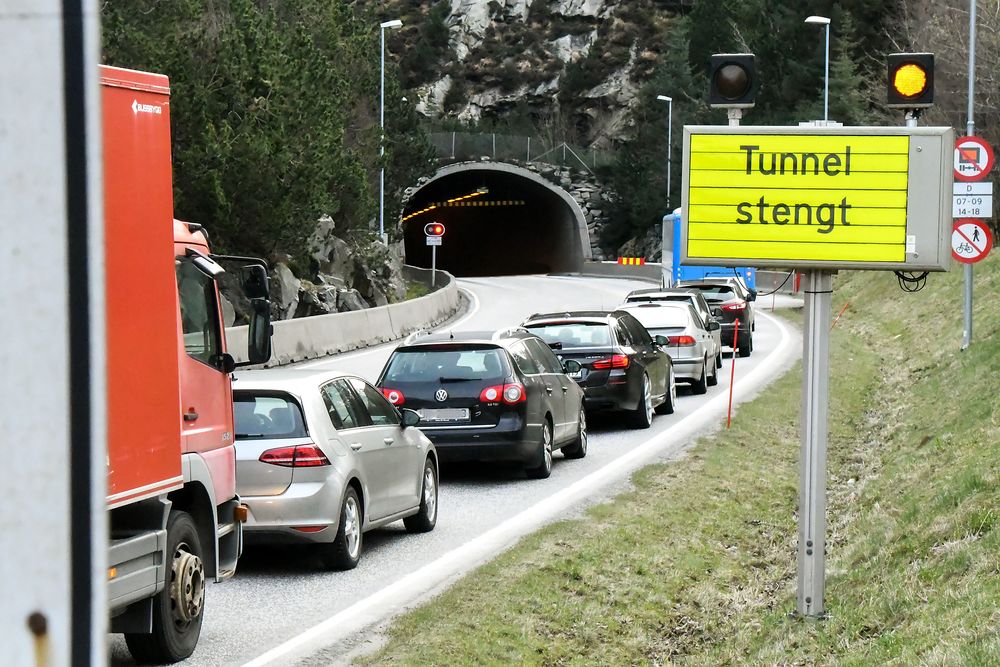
x: 322, y: 457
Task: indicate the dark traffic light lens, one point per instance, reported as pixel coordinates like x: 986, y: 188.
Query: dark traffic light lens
x: 732, y: 81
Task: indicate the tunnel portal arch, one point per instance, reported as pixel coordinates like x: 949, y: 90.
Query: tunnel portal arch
x: 520, y: 224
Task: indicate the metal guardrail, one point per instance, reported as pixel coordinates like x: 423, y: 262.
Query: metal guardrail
x: 464, y: 146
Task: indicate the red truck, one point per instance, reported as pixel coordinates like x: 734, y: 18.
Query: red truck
x: 174, y: 515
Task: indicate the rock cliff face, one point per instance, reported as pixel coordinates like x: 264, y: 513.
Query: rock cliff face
x: 572, y: 66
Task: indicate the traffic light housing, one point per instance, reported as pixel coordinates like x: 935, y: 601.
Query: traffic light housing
x: 434, y: 229
x: 910, y: 80
x: 733, y: 81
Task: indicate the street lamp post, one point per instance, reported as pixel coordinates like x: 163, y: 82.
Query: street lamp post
x: 381, y: 142
x: 670, y: 140
x: 824, y: 21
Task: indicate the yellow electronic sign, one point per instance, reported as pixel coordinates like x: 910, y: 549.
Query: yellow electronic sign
x: 805, y: 196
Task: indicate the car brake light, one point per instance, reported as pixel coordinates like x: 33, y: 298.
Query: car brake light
x: 511, y: 394
x: 297, y: 456
x: 681, y: 340
x: 614, y: 361
x: 733, y: 307
x: 394, y: 396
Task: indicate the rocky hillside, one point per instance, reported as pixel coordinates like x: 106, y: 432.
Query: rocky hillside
x: 572, y: 67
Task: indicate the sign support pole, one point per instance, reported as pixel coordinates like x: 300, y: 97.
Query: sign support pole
x: 812, y: 473
x: 434, y: 255
x: 970, y: 130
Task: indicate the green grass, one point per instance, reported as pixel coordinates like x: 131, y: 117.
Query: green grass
x: 415, y: 289
x: 696, y: 564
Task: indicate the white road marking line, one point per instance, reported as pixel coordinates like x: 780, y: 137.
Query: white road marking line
x: 414, y: 587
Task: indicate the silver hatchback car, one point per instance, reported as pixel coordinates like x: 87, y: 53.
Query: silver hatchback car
x: 322, y: 457
x: 691, y: 345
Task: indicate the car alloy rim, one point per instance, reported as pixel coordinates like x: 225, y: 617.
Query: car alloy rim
x: 430, y: 493
x: 547, y: 446
x: 187, y: 586
x: 352, y: 527
x: 583, y: 431
x: 647, y: 397
x: 673, y: 388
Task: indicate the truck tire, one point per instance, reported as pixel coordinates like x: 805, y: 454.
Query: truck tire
x: 178, y: 608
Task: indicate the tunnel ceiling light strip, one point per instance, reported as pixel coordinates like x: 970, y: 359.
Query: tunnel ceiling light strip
x: 495, y: 202
x: 416, y: 213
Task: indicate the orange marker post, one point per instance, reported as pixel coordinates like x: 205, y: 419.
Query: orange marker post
x: 732, y: 375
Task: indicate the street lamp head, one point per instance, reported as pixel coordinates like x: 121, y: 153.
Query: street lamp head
x: 664, y: 98
x: 818, y: 20
x: 395, y: 23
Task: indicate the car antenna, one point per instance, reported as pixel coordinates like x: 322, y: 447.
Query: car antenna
x: 451, y: 335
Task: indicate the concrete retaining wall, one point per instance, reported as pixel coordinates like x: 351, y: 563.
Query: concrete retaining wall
x: 322, y: 335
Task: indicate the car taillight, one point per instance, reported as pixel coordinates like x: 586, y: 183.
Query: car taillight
x: 394, y: 396
x: 681, y: 340
x: 734, y: 307
x: 511, y: 394
x: 614, y: 361
x: 297, y: 456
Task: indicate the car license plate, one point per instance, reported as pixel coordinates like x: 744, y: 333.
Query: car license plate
x: 445, y: 415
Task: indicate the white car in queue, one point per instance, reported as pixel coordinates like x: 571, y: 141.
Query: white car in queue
x: 322, y: 457
x: 691, y: 345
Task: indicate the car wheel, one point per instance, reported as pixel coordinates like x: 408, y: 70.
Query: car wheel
x: 426, y: 518
x: 177, y: 609
x: 718, y: 359
x: 713, y: 379
x: 345, y: 550
x: 578, y: 449
x: 642, y: 416
x: 700, y: 385
x: 544, y: 469
x: 746, y: 346
x: 667, y: 406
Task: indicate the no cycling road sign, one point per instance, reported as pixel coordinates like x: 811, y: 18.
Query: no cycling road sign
x: 971, y: 240
x: 973, y: 159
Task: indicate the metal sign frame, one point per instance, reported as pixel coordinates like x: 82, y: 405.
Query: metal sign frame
x: 928, y: 197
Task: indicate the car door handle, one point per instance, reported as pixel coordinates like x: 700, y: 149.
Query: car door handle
x: 565, y: 389
x: 356, y: 446
x: 191, y: 416
x: 388, y: 441
x: 548, y: 390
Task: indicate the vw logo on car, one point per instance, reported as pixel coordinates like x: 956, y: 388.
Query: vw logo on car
x: 441, y: 395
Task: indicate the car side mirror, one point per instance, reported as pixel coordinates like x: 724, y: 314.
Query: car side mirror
x: 571, y: 366
x: 556, y: 345
x: 410, y: 417
x: 752, y: 295
x: 661, y: 340
x: 713, y: 325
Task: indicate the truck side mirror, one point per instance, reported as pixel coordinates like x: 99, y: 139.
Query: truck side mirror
x: 259, y: 334
x: 255, y: 283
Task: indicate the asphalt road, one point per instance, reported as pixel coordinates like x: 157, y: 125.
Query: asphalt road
x: 282, y: 608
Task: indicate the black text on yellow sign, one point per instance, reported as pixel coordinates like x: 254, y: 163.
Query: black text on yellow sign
x: 834, y: 198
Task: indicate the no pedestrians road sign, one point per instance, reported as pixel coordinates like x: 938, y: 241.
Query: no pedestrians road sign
x: 973, y: 159
x: 970, y: 240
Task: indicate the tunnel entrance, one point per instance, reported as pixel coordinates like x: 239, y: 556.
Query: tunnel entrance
x: 500, y: 219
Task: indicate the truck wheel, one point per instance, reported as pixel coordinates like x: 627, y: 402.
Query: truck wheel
x: 178, y: 608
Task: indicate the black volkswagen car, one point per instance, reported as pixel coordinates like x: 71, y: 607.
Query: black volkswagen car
x: 500, y: 396
x: 622, y: 369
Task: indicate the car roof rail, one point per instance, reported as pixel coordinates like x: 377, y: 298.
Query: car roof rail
x: 509, y: 332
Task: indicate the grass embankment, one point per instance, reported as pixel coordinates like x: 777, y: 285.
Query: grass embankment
x: 696, y: 565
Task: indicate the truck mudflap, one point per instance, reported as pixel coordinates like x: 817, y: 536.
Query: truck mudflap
x: 136, y: 568
x: 229, y: 535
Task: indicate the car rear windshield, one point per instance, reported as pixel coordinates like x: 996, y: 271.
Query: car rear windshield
x: 450, y: 363
x: 713, y: 292
x: 658, y: 317
x: 573, y: 334
x: 267, y: 416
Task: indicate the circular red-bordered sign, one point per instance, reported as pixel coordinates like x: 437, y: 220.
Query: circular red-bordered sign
x: 971, y: 240
x: 973, y: 159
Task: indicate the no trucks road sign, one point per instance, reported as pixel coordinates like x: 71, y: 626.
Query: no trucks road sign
x: 973, y: 159
x: 971, y: 240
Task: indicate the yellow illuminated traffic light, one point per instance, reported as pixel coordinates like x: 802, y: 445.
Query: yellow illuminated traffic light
x: 910, y: 80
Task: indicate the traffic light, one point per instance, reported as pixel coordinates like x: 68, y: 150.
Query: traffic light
x: 910, y: 80
x: 733, y: 81
x: 434, y: 229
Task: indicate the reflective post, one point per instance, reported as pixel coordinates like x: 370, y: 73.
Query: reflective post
x: 970, y: 130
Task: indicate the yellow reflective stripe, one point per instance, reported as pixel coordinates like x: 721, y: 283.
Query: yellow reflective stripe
x: 861, y: 198
x: 820, y: 251
x: 737, y: 161
x: 849, y: 183
x: 717, y: 231
x: 885, y: 217
x: 792, y: 143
